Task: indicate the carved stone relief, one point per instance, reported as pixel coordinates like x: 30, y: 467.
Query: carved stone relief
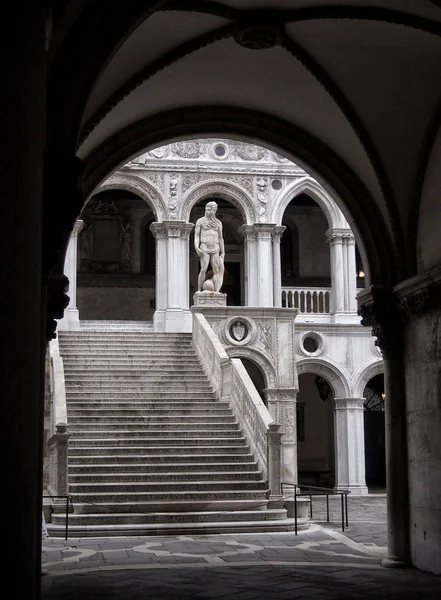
x: 105, y: 241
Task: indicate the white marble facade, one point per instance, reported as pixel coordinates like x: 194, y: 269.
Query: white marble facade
x: 171, y: 180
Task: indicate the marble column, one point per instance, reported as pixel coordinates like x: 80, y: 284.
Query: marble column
x: 172, y: 312
x: 282, y: 406
x: 343, y: 274
x: 277, y: 265
x: 378, y: 308
x: 265, y: 292
x: 349, y: 446
x: 71, y: 317
x: 22, y: 340
x: 250, y: 252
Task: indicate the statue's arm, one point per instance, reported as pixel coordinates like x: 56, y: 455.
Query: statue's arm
x: 197, y: 235
x: 221, y: 242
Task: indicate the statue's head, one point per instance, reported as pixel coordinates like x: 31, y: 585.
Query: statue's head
x: 211, y: 208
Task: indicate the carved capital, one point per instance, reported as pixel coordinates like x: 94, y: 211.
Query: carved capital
x: 419, y: 295
x: 249, y: 233
x: 277, y: 233
x: 171, y: 229
x: 378, y: 308
x: 339, y: 236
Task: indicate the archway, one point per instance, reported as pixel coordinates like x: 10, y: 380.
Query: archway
x: 116, y: 278
x: 232, y: 217
x: 374, y: 433
x: 315, y: 431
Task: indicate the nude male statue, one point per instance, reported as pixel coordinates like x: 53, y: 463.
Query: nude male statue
x: 209, y: 246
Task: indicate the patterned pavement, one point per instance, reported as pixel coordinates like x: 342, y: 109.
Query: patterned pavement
x: 320, y: 563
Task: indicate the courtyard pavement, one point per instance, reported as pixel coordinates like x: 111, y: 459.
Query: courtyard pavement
x: 320, y: 563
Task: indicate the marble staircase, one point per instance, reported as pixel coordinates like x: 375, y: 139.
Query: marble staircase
x: 152, y: 450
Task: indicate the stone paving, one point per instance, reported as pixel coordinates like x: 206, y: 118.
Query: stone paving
x: 320, y: 563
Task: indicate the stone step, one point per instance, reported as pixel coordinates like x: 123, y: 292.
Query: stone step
x: 172, y: 405
x: 153, y: 469
x: 192, y: 478
x: 146, y: 427
x: 158, y: 501
x: 154, y: 436
x: 133, y: 375
x: 164, y: 454
x: 123, y: 489
x: 172, y: 385
x: 195, y: 438
x: 83, y: 394
x: 170, y: 420
x: 140, y: 413
x: 103, y: 519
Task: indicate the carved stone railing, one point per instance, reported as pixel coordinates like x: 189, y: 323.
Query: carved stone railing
x: 59, y: 439
x: 252, y: 414
x: 231, y: 382
x: 307, y: 300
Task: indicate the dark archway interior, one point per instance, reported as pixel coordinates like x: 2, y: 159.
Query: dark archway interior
x: 374, y: 433
x: 231, y: 218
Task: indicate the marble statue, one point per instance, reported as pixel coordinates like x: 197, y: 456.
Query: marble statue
x: 209, y: 246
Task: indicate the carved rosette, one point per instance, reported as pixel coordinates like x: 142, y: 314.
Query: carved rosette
x: 188, y: 149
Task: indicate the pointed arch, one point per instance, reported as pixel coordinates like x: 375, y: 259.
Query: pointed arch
x: 144, y: 189
x: 310, y: 186
x: 225, y: 189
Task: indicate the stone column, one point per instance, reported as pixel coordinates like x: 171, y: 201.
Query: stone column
x: 343, y: 274
x: 277, y: 265
x: 71, y: 317
x: 281, y: 403
x: 172, y: 311
x: 22, y: 343
x: 378, y: 308
x: 265, y: 292
x: 350, y: 273
x: 335, y: 241
x: 349, y: 446
x: 250, y: 251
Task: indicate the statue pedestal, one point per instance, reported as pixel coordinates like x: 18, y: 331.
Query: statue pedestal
x: 210, y: 299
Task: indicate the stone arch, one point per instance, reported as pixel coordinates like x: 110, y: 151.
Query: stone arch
x: 370, y: 368
x: 333, y: 214
x: 226, y: 189
x: 259, y: 359
x: 138, y: 186
x: 337, y: 378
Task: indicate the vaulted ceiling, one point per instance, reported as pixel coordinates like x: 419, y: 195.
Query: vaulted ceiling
x: 351, y: 90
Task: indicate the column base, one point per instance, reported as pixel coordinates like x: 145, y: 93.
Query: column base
x: 395, y: 562
x: 173, y: 320
x: 70, y: 320
x: 356, y: 490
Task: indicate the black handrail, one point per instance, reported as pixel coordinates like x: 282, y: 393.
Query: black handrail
x: 314, y: 490
x: 67, y: 498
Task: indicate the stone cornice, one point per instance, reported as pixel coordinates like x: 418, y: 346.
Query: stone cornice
x: 420, y: 294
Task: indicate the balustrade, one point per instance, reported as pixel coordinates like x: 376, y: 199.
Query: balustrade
x: 307, y: 300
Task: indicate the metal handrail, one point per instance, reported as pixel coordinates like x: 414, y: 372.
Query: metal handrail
x: 314, y: 490
x: 68, y: 499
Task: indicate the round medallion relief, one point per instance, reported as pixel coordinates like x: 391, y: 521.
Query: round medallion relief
x: 238, y: 331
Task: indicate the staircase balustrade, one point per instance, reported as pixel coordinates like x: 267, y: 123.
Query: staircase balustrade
x: 58, y: 441
x: 231, y: 382
x: 307, y: 300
